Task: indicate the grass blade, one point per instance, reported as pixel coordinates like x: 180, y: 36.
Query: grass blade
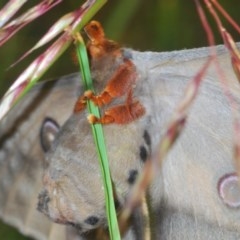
x: 100, y: 144
x: 9, y: 10
x: 40, y: 65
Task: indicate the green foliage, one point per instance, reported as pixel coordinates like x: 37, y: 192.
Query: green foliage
x: 156, y: 25
x: 99, y: 143
x: 8, y: 233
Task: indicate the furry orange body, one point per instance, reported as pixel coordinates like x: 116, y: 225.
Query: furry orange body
x: 120, y: 84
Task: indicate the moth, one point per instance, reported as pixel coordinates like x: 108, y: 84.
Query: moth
x: 121, y: 83
x: 48, y: 159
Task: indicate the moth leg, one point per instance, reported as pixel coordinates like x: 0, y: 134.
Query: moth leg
x: 80, y: 104
x: 99, y: 46
x: 120, y: 114
x: 120, y: 83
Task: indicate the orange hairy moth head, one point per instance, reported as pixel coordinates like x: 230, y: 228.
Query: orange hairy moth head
x: 95, y: 32
x: 99, y: 46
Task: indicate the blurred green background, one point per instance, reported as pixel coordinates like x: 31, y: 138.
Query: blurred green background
x: 156, y: 25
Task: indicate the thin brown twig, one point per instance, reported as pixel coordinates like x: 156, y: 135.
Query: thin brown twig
x: 226, y: 15
x: 229, y: 43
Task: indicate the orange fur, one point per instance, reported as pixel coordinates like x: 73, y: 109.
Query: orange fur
x: 98, y: 44
x: 119, y: 85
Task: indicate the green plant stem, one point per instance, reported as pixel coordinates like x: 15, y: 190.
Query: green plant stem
x: 100, y: 144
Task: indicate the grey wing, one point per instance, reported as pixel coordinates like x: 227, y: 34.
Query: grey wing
x: 191, y: 206
x: 21, y: 156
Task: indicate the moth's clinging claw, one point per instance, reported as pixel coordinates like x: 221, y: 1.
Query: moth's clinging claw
x: 80, y: 104
x: 120, y: 114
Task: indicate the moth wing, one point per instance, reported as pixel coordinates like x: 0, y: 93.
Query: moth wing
x: 203, y: 154
x: 21, y: 156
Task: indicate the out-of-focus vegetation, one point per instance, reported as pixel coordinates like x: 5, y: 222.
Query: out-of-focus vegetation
x: 157, y: 25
